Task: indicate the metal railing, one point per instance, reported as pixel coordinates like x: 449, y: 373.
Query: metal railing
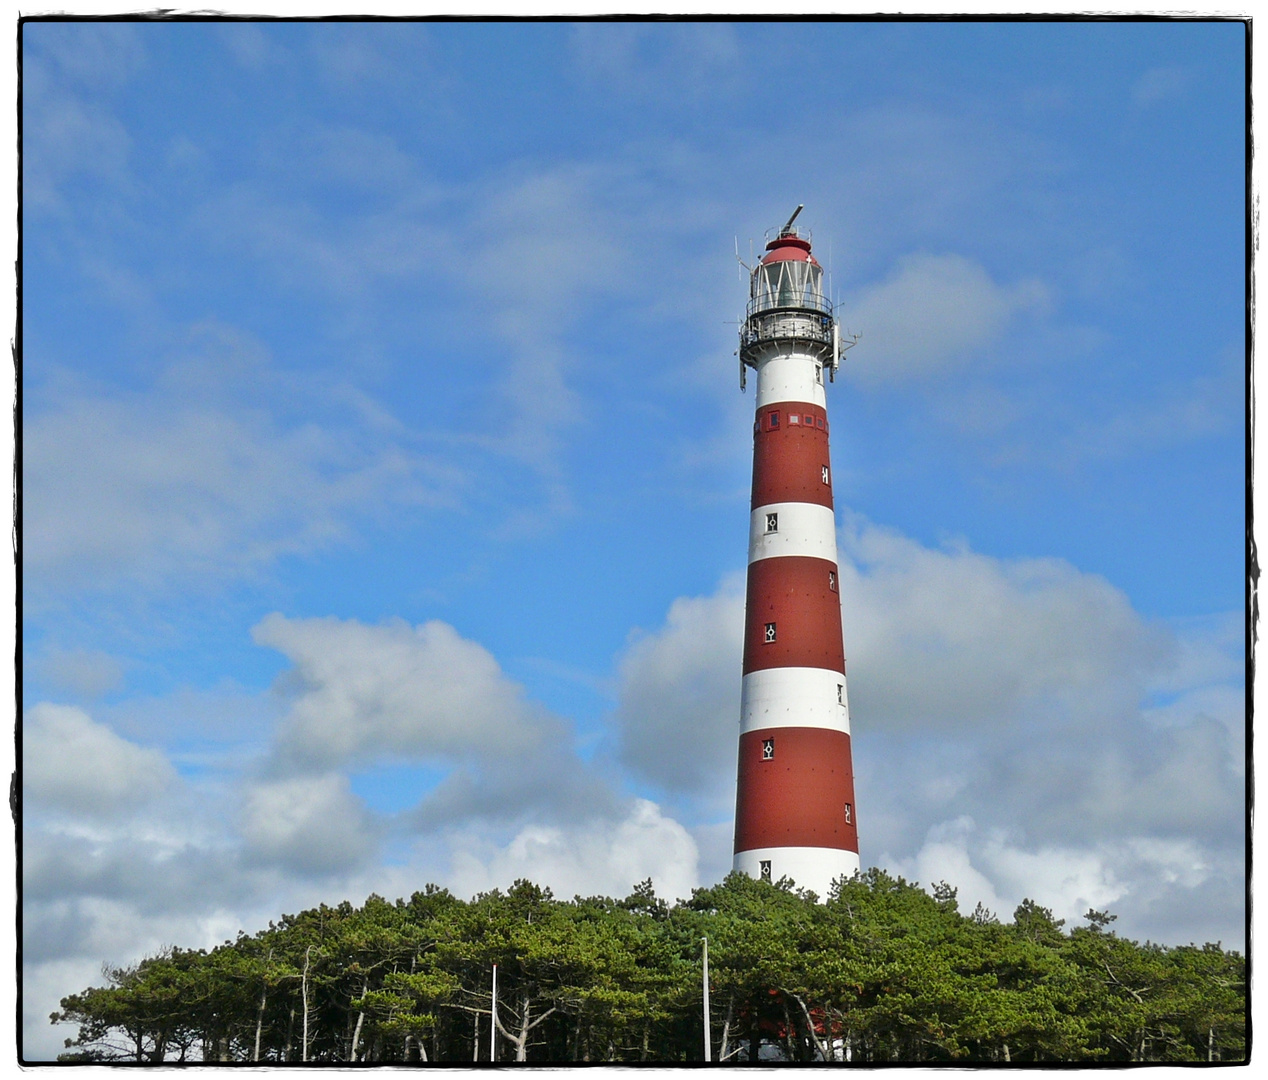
x: 815, y: 302
x: 788, y: 324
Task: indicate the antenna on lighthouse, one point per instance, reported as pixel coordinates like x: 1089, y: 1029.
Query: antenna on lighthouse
x: 788, y: 224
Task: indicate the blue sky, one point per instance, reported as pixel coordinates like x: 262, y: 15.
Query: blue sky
x: 386, y: 470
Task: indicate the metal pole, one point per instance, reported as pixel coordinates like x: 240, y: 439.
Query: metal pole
x: 493, y: 1019
x: 708, y: 1038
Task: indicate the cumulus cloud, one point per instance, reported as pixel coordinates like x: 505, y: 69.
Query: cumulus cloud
x: 72, y: 763
x: 233, y: 851
x: 932, y: 314
x: 679, y: 697
x: 1020, y: 695
x: 364, y: 694
x: 597, y: 857
x: 1135, y: 877
x: 308, y: 824
x: 939, y: 637
x: 425, y: 692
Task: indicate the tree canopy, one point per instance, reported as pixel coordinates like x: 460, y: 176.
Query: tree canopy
x: 884, y: 971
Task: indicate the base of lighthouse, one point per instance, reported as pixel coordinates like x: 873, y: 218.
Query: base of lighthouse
x: 810, y: 867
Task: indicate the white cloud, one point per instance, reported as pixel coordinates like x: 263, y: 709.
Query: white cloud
x: 680, y: 692
x: 362, y: 695
x: 88, y: 673
x: 934, y: 313
x: 308, y: 824
x: 943, y: 637
x: 419, y: 693
x: 591, y: 858
x: 189, y: 478
x: 71, y: 763
x: 1128, y: 876
x: 1201, y: 408
x: 69, y: 71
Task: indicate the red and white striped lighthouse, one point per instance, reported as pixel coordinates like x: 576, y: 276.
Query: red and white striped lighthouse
x: 794, y: 809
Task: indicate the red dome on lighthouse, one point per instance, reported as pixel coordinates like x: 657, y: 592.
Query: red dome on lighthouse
x: 788, y: 248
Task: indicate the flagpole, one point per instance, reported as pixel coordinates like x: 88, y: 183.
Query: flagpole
x: 493, y: 1019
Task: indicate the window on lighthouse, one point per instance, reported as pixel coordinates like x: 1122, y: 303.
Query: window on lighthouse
x: 832, y: 580
x: 768, y: 749
x: 770, y: 632
x: 840, y: 693
x: 825, y: 474
x: 849, y: 814
x: 764, y: 864
x: 772, y: 523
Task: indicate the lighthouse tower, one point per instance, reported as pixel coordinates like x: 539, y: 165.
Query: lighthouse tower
x: 794, y: 810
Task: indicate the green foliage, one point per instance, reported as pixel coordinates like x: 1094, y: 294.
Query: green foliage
x: 883, y: 971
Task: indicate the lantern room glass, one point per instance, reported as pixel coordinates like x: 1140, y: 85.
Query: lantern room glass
x: 787, y: 283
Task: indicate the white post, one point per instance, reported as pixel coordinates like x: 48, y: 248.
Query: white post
x: 493, y: 1022
x: 708, y: 1037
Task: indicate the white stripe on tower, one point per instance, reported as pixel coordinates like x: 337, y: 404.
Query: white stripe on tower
x: 795, y: 790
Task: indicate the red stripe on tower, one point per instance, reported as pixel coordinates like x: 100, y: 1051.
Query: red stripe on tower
x: 794, y: 814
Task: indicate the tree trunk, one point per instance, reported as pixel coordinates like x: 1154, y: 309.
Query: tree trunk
x: 1007, y: 1056
x: 647, y: 1030
x: 810, y: 1027
x: 521, y: 1045
x: 790, y: 1032
x: 290, y: 1031
x: 1210, y: 1044
x: 356, y: 1032
x: 475, y: 1040
x: 259, y: 1025
x: 724, y: 1053
x: 304, y: 992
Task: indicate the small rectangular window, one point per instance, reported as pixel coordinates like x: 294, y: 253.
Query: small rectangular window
x: 849, y: 814
x: 819, y: 422
x: 825, y: 474
x: 764, y: 864
x: 768, y: 749
x: 819, y: 374
x: 772, y: 523
x: 770, y: 632
x: 840, y: 693
x: 774, y: 421
x: 793, y: 419
x: 832, y: 580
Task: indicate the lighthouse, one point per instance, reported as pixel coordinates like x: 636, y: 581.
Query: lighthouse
x: 794, y: 810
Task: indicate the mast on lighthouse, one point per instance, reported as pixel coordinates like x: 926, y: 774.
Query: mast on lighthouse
x: 794, y: 813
